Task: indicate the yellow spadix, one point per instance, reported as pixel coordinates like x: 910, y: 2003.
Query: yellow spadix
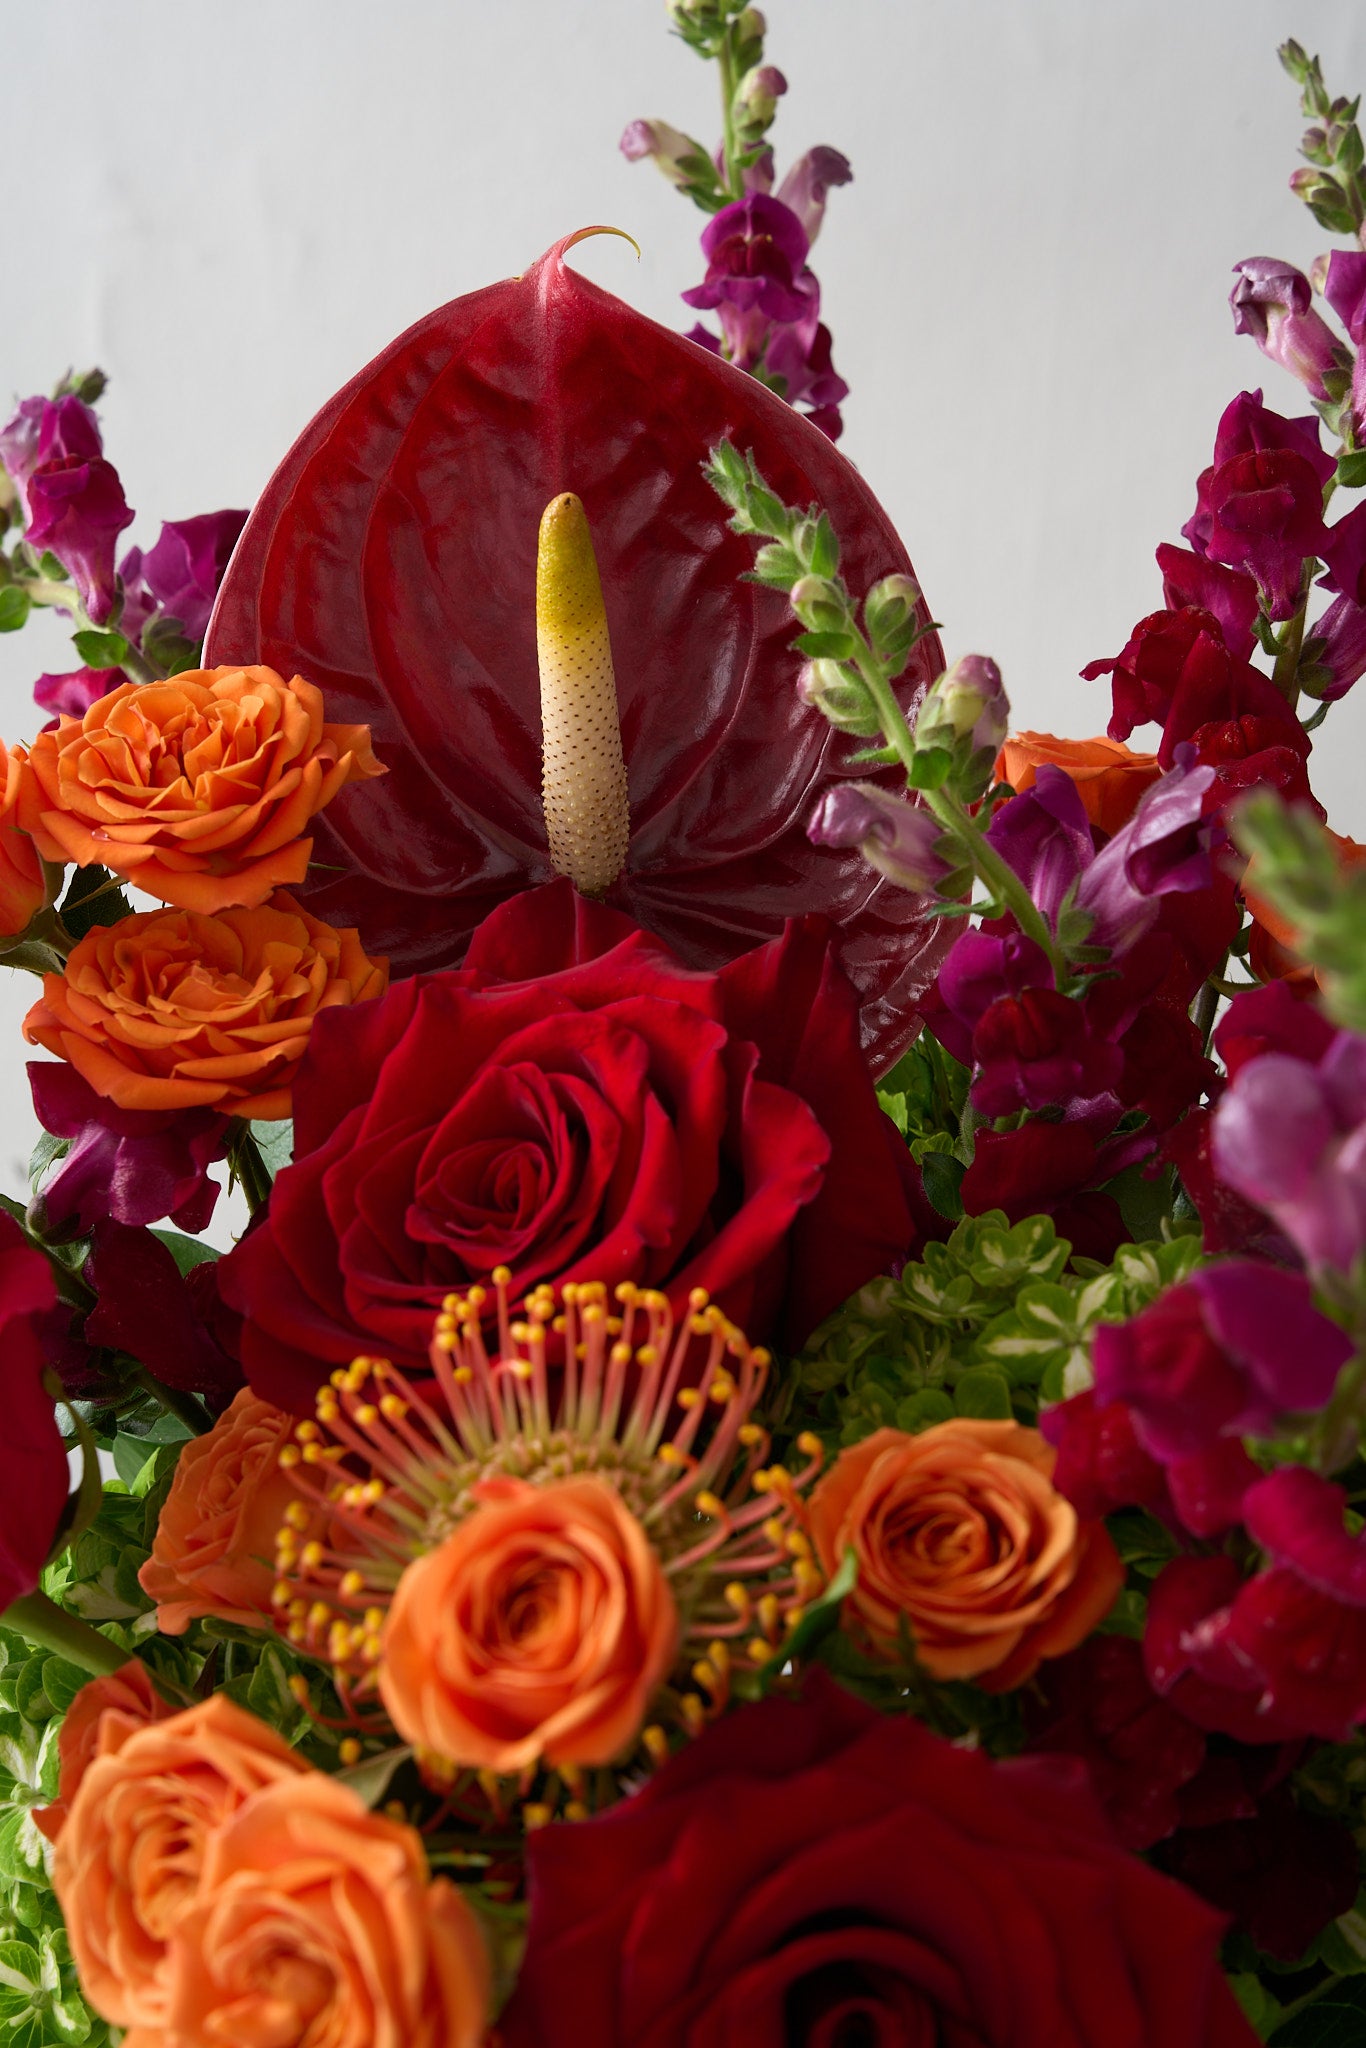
x: 583, y: 771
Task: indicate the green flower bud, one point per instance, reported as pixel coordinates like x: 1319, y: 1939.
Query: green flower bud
x: 842, y: 698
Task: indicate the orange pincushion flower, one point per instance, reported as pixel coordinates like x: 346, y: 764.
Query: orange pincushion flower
x: 1109, y: 778
x: 99, y: 1720
x: 128, y: 1861
x: 217, y: 1528
x: 170, y: 1009
x: 316, y: 1921
x: 196, y: 789
x: 21, y: 871
x: 960, y: 1532
x: 539, y: 1628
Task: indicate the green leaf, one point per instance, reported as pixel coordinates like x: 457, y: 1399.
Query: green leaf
x: 44, y: 1155
x: 826, y: 646
x: 189, y: 1252
x: 371, y: 1778
x: 131, y: 1453
x: 923, y: 1409
x: 275, y: 1143
x: 820, y: 1620
x: 90, y: 901
x: 15, y: 605
x: 62, y: 1682
x: 1336, y: 2020
x: 101, y: 650
x: 1351, y: 472
x: 982, y: 1394
x: 943, y: 1179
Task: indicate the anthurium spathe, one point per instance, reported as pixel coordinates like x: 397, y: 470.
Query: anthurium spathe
x: 392, y: 559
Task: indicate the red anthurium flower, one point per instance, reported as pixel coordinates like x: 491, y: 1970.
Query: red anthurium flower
x: 392, y: 560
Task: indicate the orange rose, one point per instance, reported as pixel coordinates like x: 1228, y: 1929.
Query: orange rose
x: 197, y: 788
x: 216, y: 1533
x: 316, y: 1921
x: 21, y: 872
x: 170, y: 1009
x: 99, y: 1720
x: 539, y: 1628
x: 1110, y: 780
x: 960, y: 1531
x: 128, y: 1861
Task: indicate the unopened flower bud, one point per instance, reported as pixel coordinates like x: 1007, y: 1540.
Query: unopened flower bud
x: 898, y: 838
x: 890, y: 614
x: 751, y: 25
x: 759, y: 92
x: 840, y: 697
x: 820, y: 604
x: 968, y: 702
x: 676, y: 154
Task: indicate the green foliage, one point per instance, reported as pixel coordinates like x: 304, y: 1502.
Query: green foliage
x: 92, y: 899
x: 1299, y: 875
x: 991, y: 1323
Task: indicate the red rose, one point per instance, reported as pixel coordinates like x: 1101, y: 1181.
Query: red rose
x: 33, y: 1466
x: 817, y: 1873
x: 572, y: 1103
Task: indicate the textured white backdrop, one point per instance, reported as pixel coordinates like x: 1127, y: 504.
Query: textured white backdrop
x: 232, y: 204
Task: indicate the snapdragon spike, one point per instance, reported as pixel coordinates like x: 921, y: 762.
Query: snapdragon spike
x: 578, y: 1383
x: 392, y: 560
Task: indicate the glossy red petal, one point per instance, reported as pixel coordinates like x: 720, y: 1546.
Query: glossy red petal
x: 392, y: 561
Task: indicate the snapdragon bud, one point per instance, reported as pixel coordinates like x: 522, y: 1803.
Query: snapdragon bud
x: 677, y: 155
x: 898, y: 838
x: 840, y: 697
x: 891, y: 615
x: 757, y: 97
x: 820, y: 604
x: 962, y: 722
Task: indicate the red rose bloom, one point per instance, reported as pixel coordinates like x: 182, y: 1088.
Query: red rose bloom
x: 819, y: 1873
x: 572, y: 1103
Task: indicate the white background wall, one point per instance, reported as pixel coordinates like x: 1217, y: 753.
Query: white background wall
x: 232, y: 204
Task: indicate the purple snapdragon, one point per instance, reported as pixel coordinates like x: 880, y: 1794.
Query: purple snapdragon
x: 1273, y: 302
x: 71, y: 498
x: 1290, y: 1136
x: 900, y: 839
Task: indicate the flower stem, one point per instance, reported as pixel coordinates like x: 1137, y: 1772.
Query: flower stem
x: 735, y: 183
x: 49, y: 1627
x: 183, y: 1406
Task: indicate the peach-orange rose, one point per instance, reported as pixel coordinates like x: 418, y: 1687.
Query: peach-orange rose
x: 215, y: 1540
x: 197, y: 788
x: 960, y: 1532
x: 170, y: 1009
x: 539, y: 1628
x: 127, y: 1863
x: 1110, y: 780
x: 316, y: 1922
x: 99, y: 1720
x: 21, y: 872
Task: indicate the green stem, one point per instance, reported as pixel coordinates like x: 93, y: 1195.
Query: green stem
x: 183, y: 1406
x: 1292, y: 640
x: 987, y: 864
x: 49, y: 1627
x: 735, y: 183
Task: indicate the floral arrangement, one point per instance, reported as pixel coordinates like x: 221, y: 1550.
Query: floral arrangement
x: 780, y: 1459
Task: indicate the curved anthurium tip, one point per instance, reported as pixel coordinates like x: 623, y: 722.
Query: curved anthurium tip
x: 561, y: 249
x: 392, y: 561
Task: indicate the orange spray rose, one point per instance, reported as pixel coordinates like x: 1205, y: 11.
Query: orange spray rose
x: 1110, y: 780
x: 316, y: 1921
x: 539, y: 1628
x: 127, y: 1863
x: 197, y: 788
x: 170, y: 1009
x: 216, y: 1533
x: 960, y: 1531
x: 99, y: 1720
x: 21, y: 872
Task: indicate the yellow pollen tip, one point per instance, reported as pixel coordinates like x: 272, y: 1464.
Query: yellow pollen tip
x: 349, y: 1750
x: 352, y: 1585
x: 289, y: 1457
x: 393, y: 1407
x: 501, y: 1276
x: 576, y: 1810
x: 810, y: 1445
x: 708, y: 1504
x: 656, y: 1743
x: 749, y: 1433
x: 296, y: 1515
x: 298, y: 1687
x: 688, y: 1397
x: 535, y: 1814
x: 311, y: 1556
